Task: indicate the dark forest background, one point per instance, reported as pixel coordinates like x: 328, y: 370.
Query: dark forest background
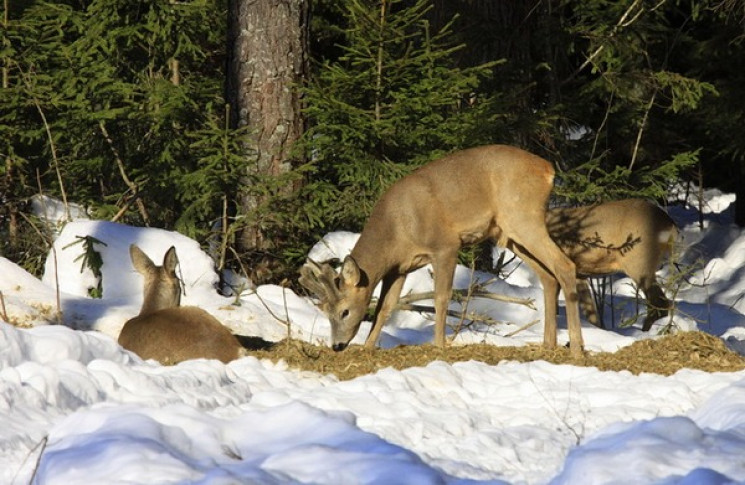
x: 157, y: 113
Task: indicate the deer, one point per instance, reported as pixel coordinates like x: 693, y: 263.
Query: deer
x: 164, y: 330
x: 495, y: 192
x: 630, y: 236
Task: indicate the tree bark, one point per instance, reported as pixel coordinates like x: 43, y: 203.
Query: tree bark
x: 268, y: 60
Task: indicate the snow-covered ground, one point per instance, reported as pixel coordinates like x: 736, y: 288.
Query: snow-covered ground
x: 76, y: 408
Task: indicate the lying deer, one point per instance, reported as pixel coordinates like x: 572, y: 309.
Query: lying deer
x: 491, y: 192
x: 631, y: 236
x: 167, y: 332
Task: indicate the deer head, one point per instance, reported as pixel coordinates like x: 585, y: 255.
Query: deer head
x: 343, y: 297
x: 162, y: 287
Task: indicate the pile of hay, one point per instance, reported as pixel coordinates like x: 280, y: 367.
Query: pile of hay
x: 666, y: 355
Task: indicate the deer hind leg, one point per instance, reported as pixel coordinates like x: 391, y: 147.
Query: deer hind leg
x: 390, y: 292
x: 550, y: 296
x: 444, y: 269
x: 587, y: 303
x: 658, y: 305
x: 534, y: 239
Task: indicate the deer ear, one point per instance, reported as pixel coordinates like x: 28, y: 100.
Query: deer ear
x: 350, y: 272
x: 170, y: 260
x: 141, y: 262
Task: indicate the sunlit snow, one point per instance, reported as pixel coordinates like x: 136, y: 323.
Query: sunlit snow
x: 77, y: 408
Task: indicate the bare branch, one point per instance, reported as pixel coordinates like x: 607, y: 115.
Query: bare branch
x: 459, y: 294
x: 622, y: 23
x: 641, y: 130
x: 132, y: 186
x: 524, y: 327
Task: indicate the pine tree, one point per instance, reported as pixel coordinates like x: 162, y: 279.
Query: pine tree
x: 104, y: 103
x: 627, y: 96
x: 392, y: 100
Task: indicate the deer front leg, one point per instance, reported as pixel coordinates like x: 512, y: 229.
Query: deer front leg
x: 444, y: 269
x: 390, y: 292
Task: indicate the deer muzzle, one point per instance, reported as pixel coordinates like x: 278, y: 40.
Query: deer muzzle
x: 338, y: 347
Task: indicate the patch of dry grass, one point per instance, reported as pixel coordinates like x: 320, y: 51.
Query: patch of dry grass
x: 667, y: 355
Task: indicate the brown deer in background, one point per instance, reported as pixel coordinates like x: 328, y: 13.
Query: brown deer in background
x: 491, y: 192
x: 631, y: 236
x: 167, y: 332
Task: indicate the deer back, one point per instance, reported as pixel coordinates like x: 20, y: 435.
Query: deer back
x: 167, y: 332
x: 631, y: 236
x: 172, y: 335
x: 462, y: 199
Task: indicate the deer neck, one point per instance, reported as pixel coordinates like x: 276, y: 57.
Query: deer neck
x: 373, y: 259
x: 155, y: 300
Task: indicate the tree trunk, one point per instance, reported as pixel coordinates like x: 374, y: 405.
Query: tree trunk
x: 267, y: 46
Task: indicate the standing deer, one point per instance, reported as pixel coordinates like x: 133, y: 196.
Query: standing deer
x: 491, y: 192
x: 167, y: 332
x: 631, y: 236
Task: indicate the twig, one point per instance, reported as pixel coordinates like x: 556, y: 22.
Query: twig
x: 287, y: 314
x: 458, y: 295
x: 4, y: 311
x: 120, y: 164
x: 56, y: 272
x: 524, y: 327
x: 622, y: 23
x: 602, y: 125
x: 50, y: 242
x: 467, y: 299
x: 52, y: 146
x: 641, y: 130
x: 474, y: 317
x: 261, y: 300
x: 224, y: 233
x: 127, y: 204
x: 244, y: 270
x: 615, y: 30
x: 43, y: 445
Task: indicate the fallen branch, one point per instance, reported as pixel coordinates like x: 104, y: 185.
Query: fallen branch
x: 524, y: 327
x: 473, y: 317
x: 4, y: 313
x: 458, y: 295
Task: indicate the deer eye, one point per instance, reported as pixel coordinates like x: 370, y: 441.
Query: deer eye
x: 344, y: 314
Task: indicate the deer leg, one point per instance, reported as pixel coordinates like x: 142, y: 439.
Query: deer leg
x: 658, y: 305
x: 444, y: 269
x: 550, y: 304
x: 389, y: 295
x: 550, y: 296
x: 587, y: 303
x: 534, y: 239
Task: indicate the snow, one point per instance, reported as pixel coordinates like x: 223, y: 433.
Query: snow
x: 77, y: 408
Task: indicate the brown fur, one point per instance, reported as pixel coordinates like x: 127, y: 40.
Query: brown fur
x: 172, y: 335
x: 491, y: 192
x: 167, y: 332
x: 630, y: 236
